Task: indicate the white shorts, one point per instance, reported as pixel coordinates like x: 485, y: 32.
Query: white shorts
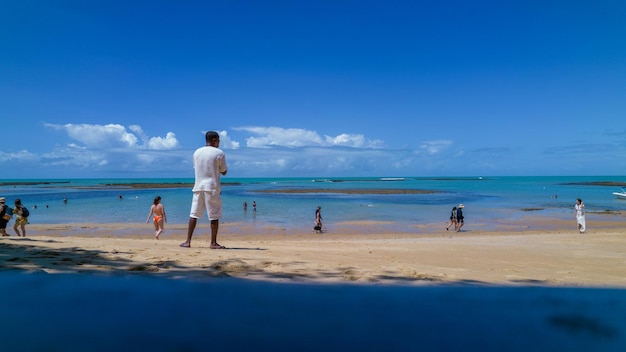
x: 206, y: 201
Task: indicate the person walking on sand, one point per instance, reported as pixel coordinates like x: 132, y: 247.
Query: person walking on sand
x: 459, y: 217
x: 5, y: 216
x: 580, y: 215
x: 209, y: 163
x: 318, y: 220
x: 452, y: 219
x: 158, y: 210
x: 22, y: 217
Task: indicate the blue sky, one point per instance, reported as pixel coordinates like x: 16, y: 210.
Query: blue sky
x: 313, y: 88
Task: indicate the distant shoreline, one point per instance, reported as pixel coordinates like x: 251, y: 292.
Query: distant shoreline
x: 190, y: 185
x: 597, y: 183
x: 350, y: 191
x: 308, y: 190
x: 32, y: 183
x: 176, y: 185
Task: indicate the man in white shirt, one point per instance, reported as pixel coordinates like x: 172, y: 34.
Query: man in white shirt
x: 209, y: 163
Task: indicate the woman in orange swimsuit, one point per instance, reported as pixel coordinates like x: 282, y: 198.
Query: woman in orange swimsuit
x: 158, y: 210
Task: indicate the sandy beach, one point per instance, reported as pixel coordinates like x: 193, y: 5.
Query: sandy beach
x: 351, y: 253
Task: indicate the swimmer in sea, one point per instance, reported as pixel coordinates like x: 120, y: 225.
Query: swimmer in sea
x: 158, y: 210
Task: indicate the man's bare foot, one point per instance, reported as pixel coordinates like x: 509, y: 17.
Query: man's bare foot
x: 217, y: 246
x: 185, y: 245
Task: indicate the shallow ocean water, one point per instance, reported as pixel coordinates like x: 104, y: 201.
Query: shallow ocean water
x: 486, y: 199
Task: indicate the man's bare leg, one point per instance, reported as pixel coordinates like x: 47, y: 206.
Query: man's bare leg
x: 190, y: 229
x: 215, y: 224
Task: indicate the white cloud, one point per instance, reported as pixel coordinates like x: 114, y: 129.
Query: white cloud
x: 435, y: 147
x: 77, y: 159
x: 317, y: 161
x: 139, y: 132
x: 16, y: 156
x: 116, y: 136
x: 158, y: 143
x: 271, y: 151
x: 72, y: 156
x: 101, y: 136
x: 280, y: 137
x: 103, y: 149
x: 353, y: 140
x: 226, y: 142
x: 267, y: 137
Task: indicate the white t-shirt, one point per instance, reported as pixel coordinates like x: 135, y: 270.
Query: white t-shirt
x: 208, y: 162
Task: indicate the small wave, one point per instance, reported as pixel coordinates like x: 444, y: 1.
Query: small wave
x: 392, y: 179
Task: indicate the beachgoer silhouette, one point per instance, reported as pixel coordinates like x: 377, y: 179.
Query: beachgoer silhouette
x: 318, y: 220
x: 452, y: 219
x: 459, y: 217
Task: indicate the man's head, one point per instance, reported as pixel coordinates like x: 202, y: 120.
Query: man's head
x: 212, y: 138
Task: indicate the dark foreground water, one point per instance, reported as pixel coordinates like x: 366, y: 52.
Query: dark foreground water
x: 42, y: 312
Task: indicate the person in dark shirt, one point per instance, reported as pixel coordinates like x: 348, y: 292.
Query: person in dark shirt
x: 459, y: 217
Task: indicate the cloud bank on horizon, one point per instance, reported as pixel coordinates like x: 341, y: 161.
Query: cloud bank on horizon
x: 115, y: 150
x: 262, y: 151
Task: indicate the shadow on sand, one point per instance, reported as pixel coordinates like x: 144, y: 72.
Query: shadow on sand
x: 24, y: 256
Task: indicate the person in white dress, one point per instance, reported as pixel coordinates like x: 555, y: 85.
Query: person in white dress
x: 580, y: 215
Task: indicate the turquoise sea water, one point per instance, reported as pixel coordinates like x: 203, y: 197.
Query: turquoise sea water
x: 486, y: 199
